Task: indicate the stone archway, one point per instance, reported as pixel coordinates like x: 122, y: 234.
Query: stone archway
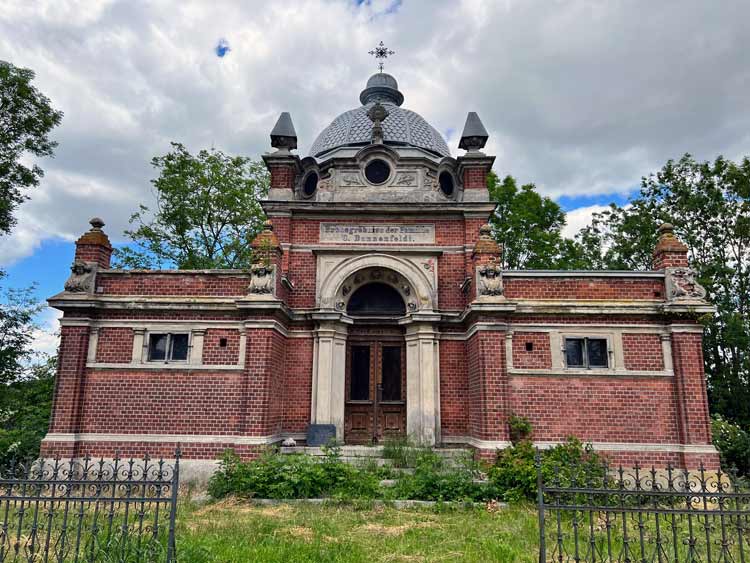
x: 417, y: 289
x: 422, y: 289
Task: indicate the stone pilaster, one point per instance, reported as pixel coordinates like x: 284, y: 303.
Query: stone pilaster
x: 329, y: 376
x: 423, y: 383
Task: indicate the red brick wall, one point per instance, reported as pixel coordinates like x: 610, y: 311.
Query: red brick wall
x: 488, y: 386
x: 214, y: 353
x: 297, y: 387
x: 302, y: 271
x: 454, y: 388
x: 187, y: 284
x: 115, y: 345
x: 264, y: 365
x: 94, y: 253
x: 643, y: 352
x: 475, y: 178
x: 584, y: 288
x: 690, y: 380
x: 600, y: 409
x: 539, y: 358
x: 451, y: 275
x: 162, y: 402
x: 74, y: 342
x: 282, y: 176
x: 665, y: 260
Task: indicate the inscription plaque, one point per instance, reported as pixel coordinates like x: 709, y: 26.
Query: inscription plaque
x: 380, y: 233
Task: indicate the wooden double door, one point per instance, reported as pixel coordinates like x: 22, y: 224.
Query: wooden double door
x: 375, y: 389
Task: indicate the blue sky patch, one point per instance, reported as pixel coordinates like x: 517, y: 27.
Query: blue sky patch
x: 222, y: 48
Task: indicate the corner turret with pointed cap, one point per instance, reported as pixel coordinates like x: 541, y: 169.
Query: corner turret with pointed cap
x: 475, y: 135
x: 283, y: 135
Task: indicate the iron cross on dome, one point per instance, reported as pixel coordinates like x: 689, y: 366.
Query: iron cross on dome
x: 381, y: 52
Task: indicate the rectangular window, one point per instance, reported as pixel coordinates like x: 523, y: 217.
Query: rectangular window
x: 586, y: 353
x: 168, y: 347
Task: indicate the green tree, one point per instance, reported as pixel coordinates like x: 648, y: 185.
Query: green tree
x: 709, y: 204
x: 529, y: 227
x: 26, y: 119
x: 207, y: 212
x: 18, y: 310
x: 25, y: 408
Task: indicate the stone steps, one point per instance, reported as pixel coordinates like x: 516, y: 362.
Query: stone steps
x: 369, y: 454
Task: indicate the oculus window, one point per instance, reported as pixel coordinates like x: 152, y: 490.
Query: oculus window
x: 377, y: 171
x: 586, y: 353
x: 167, y: 347
x: 310, y: 184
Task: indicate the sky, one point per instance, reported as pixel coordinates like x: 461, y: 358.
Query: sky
x: 582, y: 98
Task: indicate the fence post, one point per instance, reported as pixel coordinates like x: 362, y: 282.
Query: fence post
x: 540, y: 508
x: 171, y: 546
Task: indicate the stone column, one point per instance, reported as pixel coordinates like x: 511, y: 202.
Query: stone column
x: 329, y: 376
x: 423, y: 383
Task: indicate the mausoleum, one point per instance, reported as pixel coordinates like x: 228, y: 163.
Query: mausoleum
x: 377, y: 307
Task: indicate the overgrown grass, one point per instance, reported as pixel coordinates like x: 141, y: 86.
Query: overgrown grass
x: 232, y: 530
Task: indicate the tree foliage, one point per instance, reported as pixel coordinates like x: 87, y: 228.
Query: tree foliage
x: 25, y: 408
x: 26, y: 119
x: 18, y: 310
x: 207, y: 212
x: 709, y: 204
x: 529, y: 227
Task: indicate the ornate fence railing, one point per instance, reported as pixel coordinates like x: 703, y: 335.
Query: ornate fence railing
x: 598, y: 514
x: 89, y: 510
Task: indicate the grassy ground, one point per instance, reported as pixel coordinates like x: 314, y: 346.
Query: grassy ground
x: 232, y: 531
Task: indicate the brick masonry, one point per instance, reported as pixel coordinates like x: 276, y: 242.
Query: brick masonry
x: 267, y: 394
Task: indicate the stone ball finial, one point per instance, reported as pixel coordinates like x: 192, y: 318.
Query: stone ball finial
x: 267, y: 225
x: 485, y: 230
x: 96, y: 224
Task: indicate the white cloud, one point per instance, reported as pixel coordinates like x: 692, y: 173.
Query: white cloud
x: 47, y: 336
x: 579, y: 97
x: 577, y: 219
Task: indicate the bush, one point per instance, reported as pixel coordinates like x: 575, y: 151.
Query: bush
x: 733, y: 443
x: 514, y: 475
x: 437, y: 479
x: 520, y: 428
x: 278, y: 476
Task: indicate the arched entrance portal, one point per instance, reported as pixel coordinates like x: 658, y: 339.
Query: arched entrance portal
x: 375, y: 365
x: 375, y: 317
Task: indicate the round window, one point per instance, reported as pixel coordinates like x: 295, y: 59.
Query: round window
x: 310, y: 184
x: 377, y: 171
x: 446, y: 183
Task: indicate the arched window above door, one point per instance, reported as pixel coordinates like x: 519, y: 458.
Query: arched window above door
x: 376, y: 299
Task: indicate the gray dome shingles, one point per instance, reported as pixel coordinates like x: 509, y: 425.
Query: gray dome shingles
x: 402, y: 126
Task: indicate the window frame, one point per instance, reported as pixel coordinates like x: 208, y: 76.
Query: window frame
x: 585, y: 353
x: 169, y: 349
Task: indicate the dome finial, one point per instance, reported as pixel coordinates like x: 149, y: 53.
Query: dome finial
x: 381, y: 53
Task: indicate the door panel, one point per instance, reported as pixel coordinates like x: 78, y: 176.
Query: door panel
x: 375, y: 403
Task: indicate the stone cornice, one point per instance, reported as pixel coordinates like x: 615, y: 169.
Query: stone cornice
x: 411, y: 209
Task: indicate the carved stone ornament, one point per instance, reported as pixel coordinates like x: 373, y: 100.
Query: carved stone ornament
x: 261, y: 279
x: 490, y: 280
x: 407, y: 179
x: 681, y: 285
x: 82, y: 276
x: 351, y: 179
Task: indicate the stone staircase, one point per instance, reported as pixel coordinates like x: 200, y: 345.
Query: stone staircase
x: 370, y: 454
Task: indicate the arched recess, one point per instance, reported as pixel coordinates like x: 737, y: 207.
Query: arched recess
x: 412, y: 283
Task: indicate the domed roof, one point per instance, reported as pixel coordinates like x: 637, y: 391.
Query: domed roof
x: 401, y: 127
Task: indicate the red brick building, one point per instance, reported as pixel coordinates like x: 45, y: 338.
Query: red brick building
x: 377, y: 306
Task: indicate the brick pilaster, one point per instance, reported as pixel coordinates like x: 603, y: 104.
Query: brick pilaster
x: 488, y: 386
x: 68, y: 399
x: 284, y: 169
x: 473, y: 169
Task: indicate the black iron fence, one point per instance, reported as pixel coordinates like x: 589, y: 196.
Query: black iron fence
x: 594, y: 513
x: 89, y: 510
